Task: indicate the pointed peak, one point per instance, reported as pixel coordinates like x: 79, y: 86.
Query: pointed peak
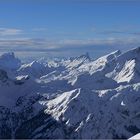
x: 86, y: 55
x: 83, y: 56
x: 8, y: 55
x: 9, y: 61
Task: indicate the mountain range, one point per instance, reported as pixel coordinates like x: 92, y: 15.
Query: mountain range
x: 73, y: 98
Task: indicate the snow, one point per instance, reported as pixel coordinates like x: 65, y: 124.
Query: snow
x: 77, y: 106
x: 22, y: 77
x: 34, y: 69
x: 136, y: 137
x: 91, y: 98
x: 109, y: 57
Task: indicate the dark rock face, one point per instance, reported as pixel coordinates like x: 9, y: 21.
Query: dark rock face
x: 25, y: 122
x: 5, y: 131
x: 3, y: 76
x: 41, y: 126
x: 27, y: 130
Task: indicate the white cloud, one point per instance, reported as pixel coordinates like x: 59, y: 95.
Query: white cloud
x: 9, y: 31
x: 45, y: 44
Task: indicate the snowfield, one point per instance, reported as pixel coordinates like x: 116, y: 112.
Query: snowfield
x: 70, y: 98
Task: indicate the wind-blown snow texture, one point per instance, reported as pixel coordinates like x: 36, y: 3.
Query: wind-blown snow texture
x: 71, y: 98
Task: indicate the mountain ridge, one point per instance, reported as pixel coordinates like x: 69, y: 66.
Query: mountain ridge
x: 77, y: 98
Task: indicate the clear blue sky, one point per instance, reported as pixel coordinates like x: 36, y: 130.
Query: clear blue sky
x: 68, y: 27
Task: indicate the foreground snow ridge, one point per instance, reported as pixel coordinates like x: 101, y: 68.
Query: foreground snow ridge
x: 136, y: 137
x: 70, y: 98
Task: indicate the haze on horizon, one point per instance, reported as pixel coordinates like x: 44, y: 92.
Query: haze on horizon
x: 58, y: 28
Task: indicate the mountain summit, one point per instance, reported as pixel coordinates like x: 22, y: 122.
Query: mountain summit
x: 9, y: 61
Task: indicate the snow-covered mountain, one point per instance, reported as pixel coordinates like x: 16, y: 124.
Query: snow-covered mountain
x: 34, y: 69
x: 70, y: 98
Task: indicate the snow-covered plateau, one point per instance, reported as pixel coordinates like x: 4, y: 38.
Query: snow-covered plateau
x: 74, y: 98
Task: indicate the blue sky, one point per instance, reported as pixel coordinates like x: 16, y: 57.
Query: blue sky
x: 68, y: 27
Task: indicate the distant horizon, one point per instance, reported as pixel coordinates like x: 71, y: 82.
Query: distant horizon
x: 34, y: 57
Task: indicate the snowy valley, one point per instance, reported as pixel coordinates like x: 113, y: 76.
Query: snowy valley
x: 70, y: 98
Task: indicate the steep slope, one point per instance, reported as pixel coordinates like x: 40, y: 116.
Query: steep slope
x: 98, y: 114
x: 78, y: 61
x: 9, y: 61
x: 100, y: 63
x: 3, y: 76
x: 34, y: 69
x: 11, y: 90
x: 80, y: 67
x: 94, y: 81
x: 136, y: 137
x: 125, y: 68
